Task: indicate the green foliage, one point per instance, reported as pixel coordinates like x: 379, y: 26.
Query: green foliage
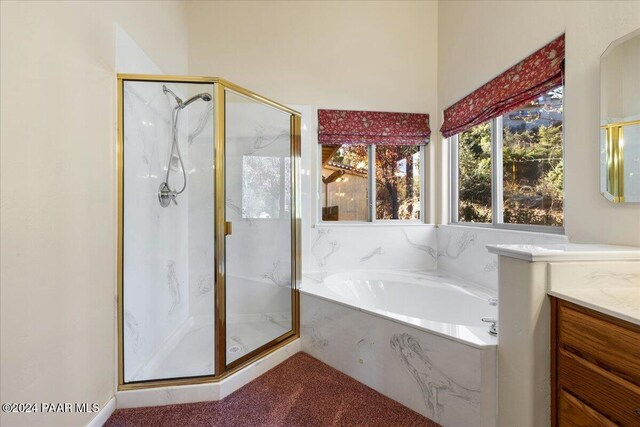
x: 474, y: 179
x: 532, y: 175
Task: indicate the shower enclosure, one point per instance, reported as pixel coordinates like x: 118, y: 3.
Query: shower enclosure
x: 208, y: 228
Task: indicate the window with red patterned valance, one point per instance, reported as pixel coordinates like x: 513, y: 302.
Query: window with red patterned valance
x: 338, y: 127
x: 519, y: 85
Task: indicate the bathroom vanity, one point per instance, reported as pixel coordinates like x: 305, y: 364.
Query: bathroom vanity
x: 584, y: 300
x: 595, y: 369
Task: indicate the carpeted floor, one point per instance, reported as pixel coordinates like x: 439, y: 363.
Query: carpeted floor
x: 301, y: 391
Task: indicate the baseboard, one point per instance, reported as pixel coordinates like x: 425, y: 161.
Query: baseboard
x: 205, y: 392
x: 103, y: 415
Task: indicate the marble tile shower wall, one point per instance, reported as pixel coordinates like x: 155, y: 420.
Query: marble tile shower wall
x: 155, y: 239
x: 462, y: 250
x: 201, y: 210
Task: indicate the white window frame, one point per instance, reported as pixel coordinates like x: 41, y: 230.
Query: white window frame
x: 371, y: 193
x: 497, y: 196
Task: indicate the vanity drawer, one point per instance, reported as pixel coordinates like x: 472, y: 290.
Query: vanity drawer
x: 611, y: 344
x: 613, y: 397
x: 574, y: 413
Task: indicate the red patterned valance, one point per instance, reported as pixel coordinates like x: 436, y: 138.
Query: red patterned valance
x: 514, y: 88
x: 337, y: 127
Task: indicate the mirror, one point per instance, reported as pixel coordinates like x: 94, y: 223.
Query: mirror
x: 620, y: 120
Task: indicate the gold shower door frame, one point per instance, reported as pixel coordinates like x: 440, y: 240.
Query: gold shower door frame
x: 222, y: 369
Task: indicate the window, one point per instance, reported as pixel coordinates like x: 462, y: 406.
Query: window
x: 509, y: 170
x: 397, y: 182
x: 354, y: 175
x: 474, y: 174
x: 345, y: 183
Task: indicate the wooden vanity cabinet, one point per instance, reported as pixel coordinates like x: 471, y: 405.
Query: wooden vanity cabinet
x: 595, y: 368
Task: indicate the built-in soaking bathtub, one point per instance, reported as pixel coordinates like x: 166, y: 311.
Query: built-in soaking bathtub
x: 417, y: 338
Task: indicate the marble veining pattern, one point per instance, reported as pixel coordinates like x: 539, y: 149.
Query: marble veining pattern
x: 433, y: 252
x: 264, y: 138
x: 277, y: 277
x: 431, y: 380
x: 173, y: 284
x: 606, y: 277
x: 133, y: 329
x: 462, y: 250
x: 335, y: 249
x: 205, y: 284
x: 204, y: 119
x: 323, y: 246
x: 491, y: 266
x: 377, y: 251
x: 461, y: 244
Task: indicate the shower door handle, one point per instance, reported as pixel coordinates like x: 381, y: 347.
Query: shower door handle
x: 228, y: 228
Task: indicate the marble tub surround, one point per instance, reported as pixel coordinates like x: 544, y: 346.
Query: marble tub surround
x: 444, y: 380
x: 369, y: 247
x: 593, y: 273
x: 461, y: 250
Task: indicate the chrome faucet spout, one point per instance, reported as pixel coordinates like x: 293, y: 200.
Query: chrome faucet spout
x: 493, y: 329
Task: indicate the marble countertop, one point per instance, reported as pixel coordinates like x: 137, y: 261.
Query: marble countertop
x: 609, y: 287
x: 567, y: 252
x: 622, y: 303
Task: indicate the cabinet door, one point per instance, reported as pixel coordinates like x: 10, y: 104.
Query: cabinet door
x: 574, y: 413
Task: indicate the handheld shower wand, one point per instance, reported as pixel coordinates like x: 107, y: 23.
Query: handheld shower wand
x: 165, y: 194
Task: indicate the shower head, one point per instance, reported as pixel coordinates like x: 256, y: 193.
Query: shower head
x: 204, y: 96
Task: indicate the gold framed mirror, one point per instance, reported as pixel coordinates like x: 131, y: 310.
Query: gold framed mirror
x: 620, y: 120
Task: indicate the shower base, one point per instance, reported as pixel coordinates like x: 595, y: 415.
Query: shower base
x: 189, y: 351
x: 245, y: 333
x: 208, y: 391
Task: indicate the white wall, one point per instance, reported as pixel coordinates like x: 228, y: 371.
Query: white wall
x: 58, y: 237
x: 349, y: 55
x: 479, y: 40
x: 620, y: 89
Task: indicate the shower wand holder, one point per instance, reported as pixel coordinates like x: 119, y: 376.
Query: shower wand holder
x: 166, y: 195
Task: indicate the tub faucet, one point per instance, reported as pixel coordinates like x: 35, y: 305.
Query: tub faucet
x: 493, y: 329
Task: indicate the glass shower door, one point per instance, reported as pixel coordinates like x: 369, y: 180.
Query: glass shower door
x: 259, y: 245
